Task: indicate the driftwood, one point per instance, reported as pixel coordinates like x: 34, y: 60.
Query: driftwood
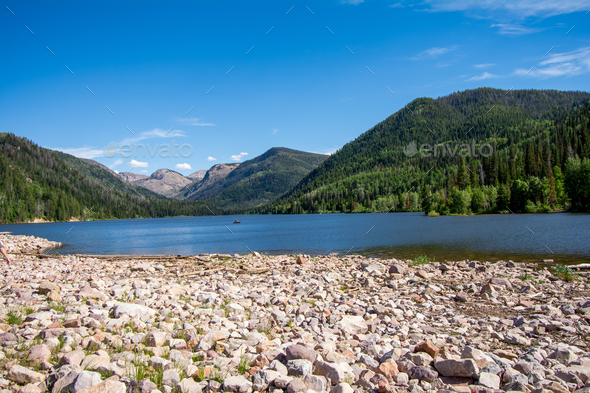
x: 581, y: 266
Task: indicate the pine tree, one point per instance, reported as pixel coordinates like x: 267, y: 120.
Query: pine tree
x: 462, y: 175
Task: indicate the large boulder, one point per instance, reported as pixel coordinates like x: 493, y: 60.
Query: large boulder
x: 22, y: 375
x: 457, y: 368
x: 108, y: 386
x: 336, y: 372
x: 297, y: 351
x: 86, y: 379
x: 352, y: 324
x: 237, y: 384
x: 133, y: 310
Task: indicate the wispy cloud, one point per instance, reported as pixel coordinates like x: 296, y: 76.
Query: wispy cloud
x: 155, y: 133
x: 211, y: 158
x: 238, y: 157
x: 275, y: 130
x: 433, y: 53
x: 510, y: 9
x: 116, y: 163
x: 485, y: 75
x: 80, y: 152
x: 561, y: 64
x: 486, y: 65
x: 183, y: 166
x: 353, y: 2
x: 397, y: 5
x: 514, y: 29
x: 137, y: 164
x: 193, y: 121
x: 329, y: 151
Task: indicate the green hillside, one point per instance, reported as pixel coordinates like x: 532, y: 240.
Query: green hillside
x: 38, y: 183
x: 260, y: 180
x: 104, y: 175
x: 538, y: 137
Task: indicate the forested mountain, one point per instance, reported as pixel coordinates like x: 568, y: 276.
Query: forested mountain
x: 257, y: 181
x: 38, y: 183
x: 538, y: 147
x: 103, y: 175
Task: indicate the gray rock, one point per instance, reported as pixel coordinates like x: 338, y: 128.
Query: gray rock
x: 86, y: 379
x: 73, y: 358
x: 299, y: 367
x: 368, y: 361
x: 457, y: 368
x: 237, y: 384
x: 188, y: 385
x: 133, y: 310
x: 336, y: 372
x: 278, y: 367
x: 342, y: 388
x: 352, y: 324
x: 317, y: 383
x: 170, y: 378
x: 489, y: 380
x: 39, y: 354
x: 397, y: 269
x: 263, y: 378
x: 564, y: 356
x: 296, y: 385
x: 300, y: 352
x: 22, y: 375
x: 422, y: 373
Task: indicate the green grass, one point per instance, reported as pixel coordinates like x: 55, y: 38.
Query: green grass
x: 565, y: 273
x: 244, y: 364
x: 199, y: 375
x: 59, y: 307
x: 217, y: 375
x: 525, y: 277
x: 14, y: 317
x: 433, y: 214
x: 421, y: 260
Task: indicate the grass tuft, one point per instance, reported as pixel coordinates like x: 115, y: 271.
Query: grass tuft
x: 421, y: 260
x: 565, y: 273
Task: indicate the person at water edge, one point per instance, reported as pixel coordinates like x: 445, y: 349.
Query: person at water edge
x: 3, y: 251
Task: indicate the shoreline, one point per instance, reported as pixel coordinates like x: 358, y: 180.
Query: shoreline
x: 289, y: 323
x: 74, y: 219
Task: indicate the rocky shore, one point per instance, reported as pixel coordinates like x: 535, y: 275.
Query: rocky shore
x: 286, y: 323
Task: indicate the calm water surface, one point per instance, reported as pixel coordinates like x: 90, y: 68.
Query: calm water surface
x: 563, y: 237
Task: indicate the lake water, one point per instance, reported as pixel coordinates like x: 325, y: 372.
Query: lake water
x: 563, y: 237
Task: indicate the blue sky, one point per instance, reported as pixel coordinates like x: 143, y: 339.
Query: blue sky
x: 89, y: 77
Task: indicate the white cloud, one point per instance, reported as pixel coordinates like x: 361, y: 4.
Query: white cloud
x: 193, y: 121
x: 397, y: 5
x: 183, y: 166
x: 116, y: 163
x: 485, y: 75
x: 561, y: 64
x: 275, y: 130
x: 433, y: 53
x: 143, y: 171
x: 328, y: 151
x: 81, y: 152
x: 137, y: 164
x: 155, y: 133
x: 514, y: 29
x: 486, y: 65
x: 238, y: 157
x: 354, y: 2
x: 515, y: 9
x: 211, y: 158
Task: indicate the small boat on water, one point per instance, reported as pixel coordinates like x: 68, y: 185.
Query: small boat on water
x: 236, y: 222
